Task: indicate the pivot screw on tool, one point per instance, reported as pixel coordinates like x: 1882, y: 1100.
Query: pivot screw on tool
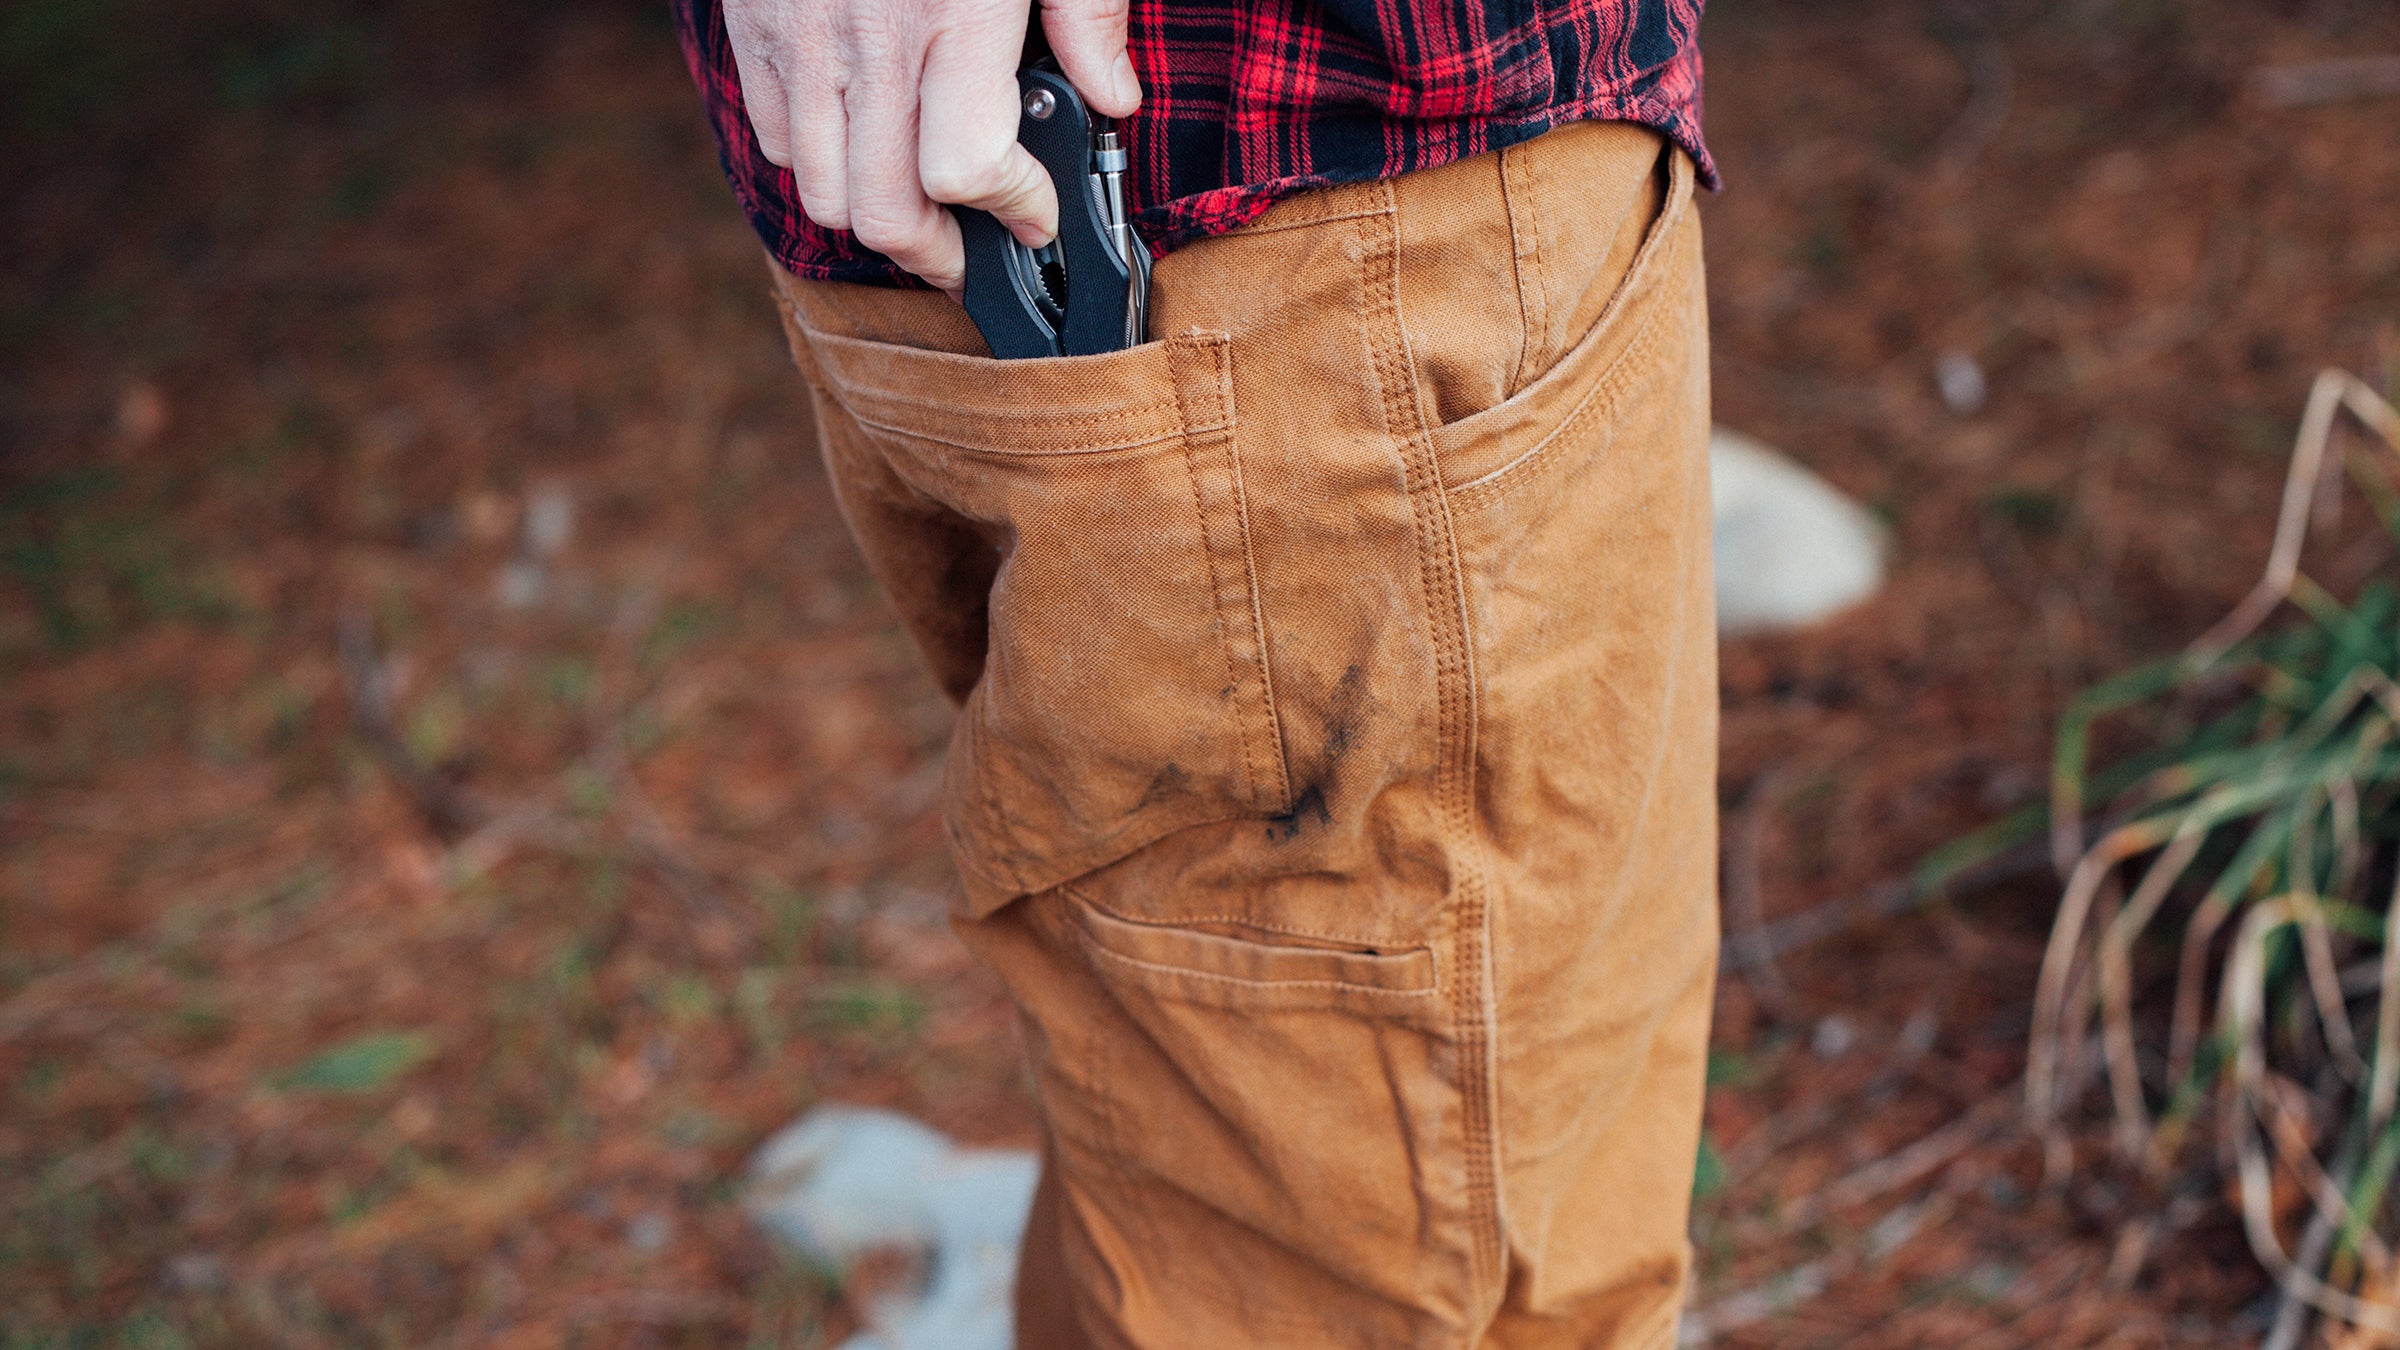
x: 1039, y: 104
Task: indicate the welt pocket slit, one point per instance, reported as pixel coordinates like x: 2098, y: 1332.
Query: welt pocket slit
x: 1267, y: 962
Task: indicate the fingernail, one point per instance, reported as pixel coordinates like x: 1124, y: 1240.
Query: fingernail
x: 1128, y: 85
x: 1031, y: 234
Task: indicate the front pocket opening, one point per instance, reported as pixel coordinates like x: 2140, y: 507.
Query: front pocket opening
x: 1120, y: 400
x: 1486, y: 446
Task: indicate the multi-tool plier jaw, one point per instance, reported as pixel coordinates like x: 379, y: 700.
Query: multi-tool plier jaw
x: 1088, y: 290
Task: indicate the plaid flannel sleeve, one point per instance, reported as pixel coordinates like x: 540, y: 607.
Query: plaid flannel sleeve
x: 1248, y: 101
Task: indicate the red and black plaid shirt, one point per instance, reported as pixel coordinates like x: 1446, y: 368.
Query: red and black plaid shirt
x: 1248, y: 101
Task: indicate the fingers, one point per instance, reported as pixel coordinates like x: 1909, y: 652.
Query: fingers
x: 792, y: 76
x: 1088, y: 37
x: 889, y: 209
x: 820, y: 152
x: 758, y: 44
x: 967, y: 151
x: 886, y: 110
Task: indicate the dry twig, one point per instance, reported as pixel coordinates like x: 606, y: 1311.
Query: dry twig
x: 2297, y: 776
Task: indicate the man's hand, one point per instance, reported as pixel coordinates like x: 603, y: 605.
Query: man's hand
x: 885, y: 109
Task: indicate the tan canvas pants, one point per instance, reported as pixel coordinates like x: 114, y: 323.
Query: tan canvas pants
x: 1334, y: 786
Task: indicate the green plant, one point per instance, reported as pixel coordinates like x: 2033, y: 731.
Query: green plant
x: 2251, y: 787
x: 361, y: 1064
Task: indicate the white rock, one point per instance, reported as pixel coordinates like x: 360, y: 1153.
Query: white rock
x: 1959, y: 378
x: 520, y: 584
x: 844, y: 1180
x: 549, y: 519
x: 1833, y: 1037
x: 1789, y: 549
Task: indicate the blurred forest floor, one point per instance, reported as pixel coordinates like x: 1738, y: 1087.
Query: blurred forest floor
x: 459, y: 790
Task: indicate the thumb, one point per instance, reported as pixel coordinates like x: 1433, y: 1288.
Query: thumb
x: 1088, y: 38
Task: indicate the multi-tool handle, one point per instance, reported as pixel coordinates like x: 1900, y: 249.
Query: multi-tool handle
x: 1075, y: 301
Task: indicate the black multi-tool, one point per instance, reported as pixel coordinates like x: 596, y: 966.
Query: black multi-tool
x: 1088, y: 290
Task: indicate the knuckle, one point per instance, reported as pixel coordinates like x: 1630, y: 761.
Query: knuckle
x: 747, y: 21
x: 872, y: 35
x: 825, y: 208
x: 889, y: 235
x: 1095, y: 12
x: 958, y: 180
x: 763, y: 35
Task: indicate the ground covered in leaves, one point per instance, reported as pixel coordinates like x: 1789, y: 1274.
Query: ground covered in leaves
x: 459, y: 790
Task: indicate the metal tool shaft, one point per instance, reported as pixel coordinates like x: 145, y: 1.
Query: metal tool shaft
x: 1109, y: 163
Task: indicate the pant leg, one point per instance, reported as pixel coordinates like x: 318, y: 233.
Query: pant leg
x: 1333, y: 785
x: 1045, y: 1303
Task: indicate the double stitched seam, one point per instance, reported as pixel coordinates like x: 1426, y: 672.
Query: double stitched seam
x: 1346, y: 201
x: 1305, y: 222
x: 1525, y: 239
x: 1243, y: 920
x: 1103, y: 411
x: 1098, y: 948
x: 1665, y: 245
x: 1280, y: 786
x: 1056, y: 430
x: 1019, y: 418
x: 1445, y: 612
x: 1239, y: 983
x: 1263, y: 788
x: 1216, y: 600
x: 1051, y: 449
x: 1060, y: 431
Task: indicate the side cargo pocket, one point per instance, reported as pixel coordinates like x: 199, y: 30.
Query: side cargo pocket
x: 1238, y: 1099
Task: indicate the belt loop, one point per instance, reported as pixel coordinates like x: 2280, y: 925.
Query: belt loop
x: 1202, y: 368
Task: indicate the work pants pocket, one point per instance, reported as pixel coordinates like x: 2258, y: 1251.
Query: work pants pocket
x: 1066, y: 539
x: 1255, y: 1123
